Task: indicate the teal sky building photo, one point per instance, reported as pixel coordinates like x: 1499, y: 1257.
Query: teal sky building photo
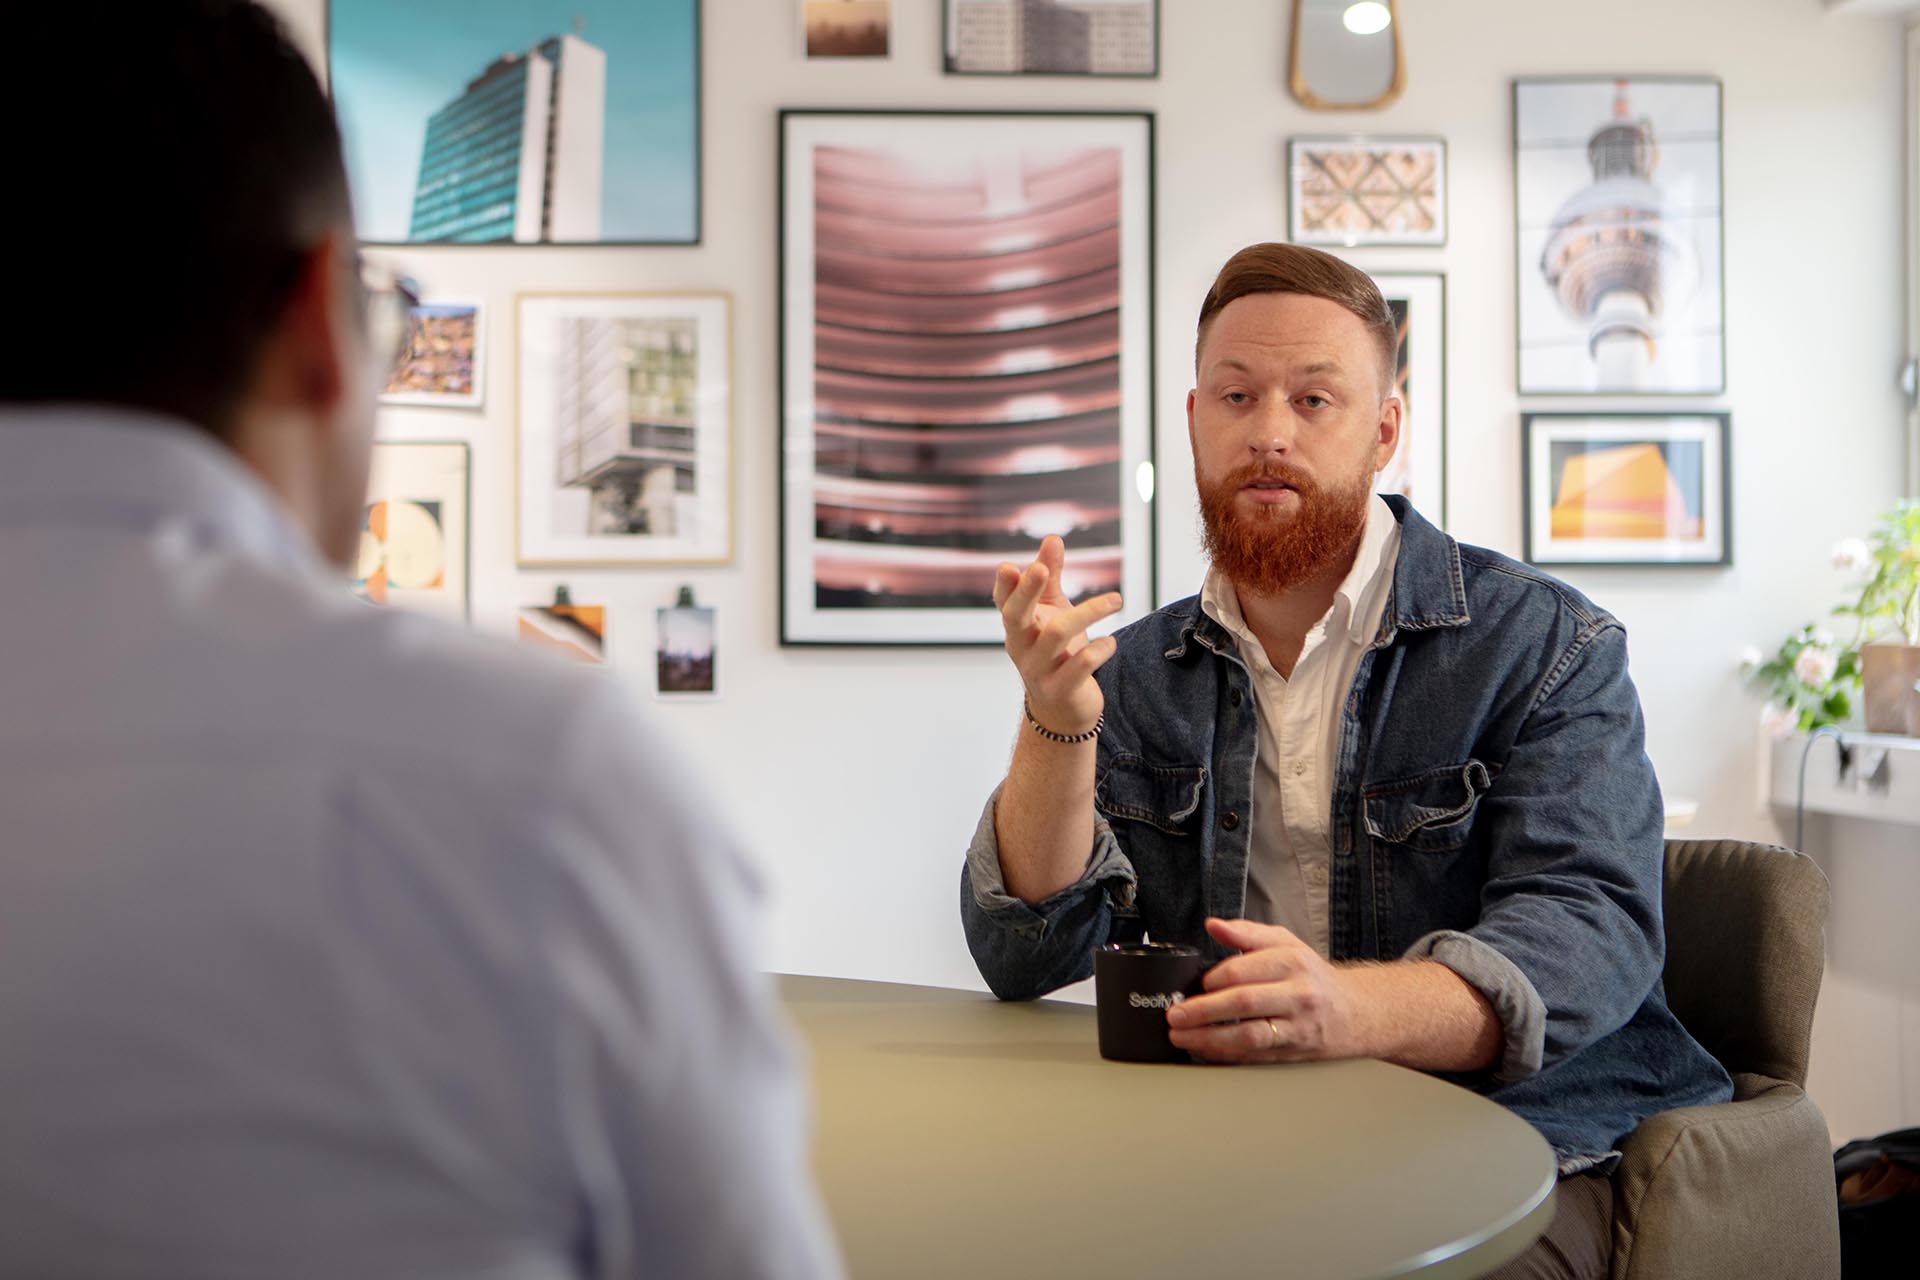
x: 497, y: 122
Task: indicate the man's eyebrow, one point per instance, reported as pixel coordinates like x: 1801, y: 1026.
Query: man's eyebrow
x: 1322, y: 366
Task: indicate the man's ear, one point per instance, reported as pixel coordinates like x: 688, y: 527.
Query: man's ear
x: 1392, y: 411
x: 305, y: 363
x: 1192, y: 446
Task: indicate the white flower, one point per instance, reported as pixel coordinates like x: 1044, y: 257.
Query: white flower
x: 1822, y: 637
x: 1751, y: 657
x: 1814, y: 666
x: 1777, y: 722
x: 1851, y: 553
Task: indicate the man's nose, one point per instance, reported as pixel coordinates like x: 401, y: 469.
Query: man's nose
x: 1273, y: 432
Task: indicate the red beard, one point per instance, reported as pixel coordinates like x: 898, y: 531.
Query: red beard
x: 1270, y: 551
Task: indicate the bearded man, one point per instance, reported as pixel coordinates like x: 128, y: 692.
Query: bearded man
x: 1394, y: 787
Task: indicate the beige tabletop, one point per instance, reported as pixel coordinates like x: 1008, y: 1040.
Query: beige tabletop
x: 960, y: 1136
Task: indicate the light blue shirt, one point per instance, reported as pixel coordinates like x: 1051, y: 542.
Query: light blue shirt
x: 336, y: 942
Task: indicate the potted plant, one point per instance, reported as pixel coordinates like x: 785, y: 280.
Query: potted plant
x: 1888, y: 612
x: 1809, y: 681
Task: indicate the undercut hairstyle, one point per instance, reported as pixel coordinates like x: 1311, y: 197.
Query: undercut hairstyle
x: 178, y: 170
x: 1290, y: 268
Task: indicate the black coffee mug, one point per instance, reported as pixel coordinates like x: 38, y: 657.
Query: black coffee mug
x: 1134, y: 984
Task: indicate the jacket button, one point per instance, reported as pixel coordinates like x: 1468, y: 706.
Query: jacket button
x: 1231, y: 822
x: 1234, y: 697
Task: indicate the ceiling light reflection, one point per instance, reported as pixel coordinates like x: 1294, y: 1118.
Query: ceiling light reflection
x: 1367, y: 17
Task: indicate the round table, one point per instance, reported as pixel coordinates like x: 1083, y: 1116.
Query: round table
x: 956, y: 1135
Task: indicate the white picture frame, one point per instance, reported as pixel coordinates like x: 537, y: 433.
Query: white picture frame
x: 596, y: 484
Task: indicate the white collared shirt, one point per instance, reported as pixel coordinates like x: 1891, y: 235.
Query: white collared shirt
x: 1292, y: 793
x: 339, y: 942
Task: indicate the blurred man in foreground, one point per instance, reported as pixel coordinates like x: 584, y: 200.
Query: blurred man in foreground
x: 333, y: 942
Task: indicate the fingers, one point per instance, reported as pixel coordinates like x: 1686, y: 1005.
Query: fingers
x: 1017, y: 610
x: 1005, y: 579
x: 1265, y: 1022
x: 1053, y: 555
x: 1229, y: 1004
x: 1252, y: 1041
x: 1069, y: 627
x: 1248, y: 935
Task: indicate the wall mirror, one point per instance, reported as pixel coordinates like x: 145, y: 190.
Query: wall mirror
x: 1346, y: 56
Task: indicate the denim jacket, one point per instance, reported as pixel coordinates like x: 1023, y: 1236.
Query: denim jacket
x: 1493, y: 810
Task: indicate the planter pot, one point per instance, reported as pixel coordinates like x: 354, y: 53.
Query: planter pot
x: 1889, y: 672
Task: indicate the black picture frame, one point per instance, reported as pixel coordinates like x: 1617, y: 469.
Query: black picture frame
x: 1623, y: 512
x: 947, y: 54
x: 1540, y: 323
x: 697, y: 9
x: 801, y: 620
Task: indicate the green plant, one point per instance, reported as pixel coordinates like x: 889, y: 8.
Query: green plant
x: 1809, y: 682
x: 1892, y: 593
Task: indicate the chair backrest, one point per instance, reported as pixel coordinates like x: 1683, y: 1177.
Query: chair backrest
x: 1746, y: 947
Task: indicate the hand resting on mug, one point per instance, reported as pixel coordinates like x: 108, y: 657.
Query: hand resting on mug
x: 1280, y: 1001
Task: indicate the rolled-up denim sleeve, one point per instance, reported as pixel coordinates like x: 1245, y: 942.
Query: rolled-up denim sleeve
x: 1570, y: 940
x: 1022, y: 950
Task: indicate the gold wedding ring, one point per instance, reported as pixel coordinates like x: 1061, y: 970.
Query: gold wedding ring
x: 1275, y: 1033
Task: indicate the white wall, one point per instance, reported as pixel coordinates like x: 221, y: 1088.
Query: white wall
x: 859, y: 774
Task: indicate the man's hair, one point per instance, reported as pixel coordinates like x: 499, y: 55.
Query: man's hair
x: 176, y: 159
x: 1289, y: 268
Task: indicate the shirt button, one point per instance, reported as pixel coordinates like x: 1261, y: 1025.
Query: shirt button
x: 1234, y: 697
x: 1231, y: 822
x: 1299, y: 767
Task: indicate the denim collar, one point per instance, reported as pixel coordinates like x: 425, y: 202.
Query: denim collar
x: 1428, y: 591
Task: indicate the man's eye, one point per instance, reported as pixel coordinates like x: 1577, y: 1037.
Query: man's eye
x: 1236, y: 397
x: 1315, y: 402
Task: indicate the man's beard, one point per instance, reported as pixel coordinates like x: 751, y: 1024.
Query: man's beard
x: 1270, y: 551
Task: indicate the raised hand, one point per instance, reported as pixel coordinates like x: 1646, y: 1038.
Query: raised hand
x: 1047, y: 640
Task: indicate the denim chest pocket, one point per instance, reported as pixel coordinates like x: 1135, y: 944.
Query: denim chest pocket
x: 1430, y: 811
x: 1163, y: 796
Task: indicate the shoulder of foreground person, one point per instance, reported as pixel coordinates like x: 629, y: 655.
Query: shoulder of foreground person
x: 385, y: 690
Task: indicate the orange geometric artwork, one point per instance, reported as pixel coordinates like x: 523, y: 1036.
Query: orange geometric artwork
x: 576, y: 631
x: 1624, y: 492
x: 402, y: 546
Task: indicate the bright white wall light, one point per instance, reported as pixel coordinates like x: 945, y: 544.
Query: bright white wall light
x: 1367, y: 17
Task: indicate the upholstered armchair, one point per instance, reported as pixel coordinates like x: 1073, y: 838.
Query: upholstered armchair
x: 1743, y: 1190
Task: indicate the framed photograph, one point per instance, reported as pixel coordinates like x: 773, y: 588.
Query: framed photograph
x: 1418, y: 468
x: 413, y: 530
x: 532, y: 122
x: 1053, y: 37
x: 1356, y: 191
x: 444, y: 362
x: 577, y: 632
x: 687, y: 654
x: 1626, y: 488
x: 966, y: 365
x: 847, y: 28
x: 625, y: 436
x: 1620, y: 267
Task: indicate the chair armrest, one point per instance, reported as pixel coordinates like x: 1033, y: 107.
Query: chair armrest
x: 1735, y: 1191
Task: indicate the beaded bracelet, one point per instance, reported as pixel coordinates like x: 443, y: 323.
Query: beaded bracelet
x: 1051, y: 736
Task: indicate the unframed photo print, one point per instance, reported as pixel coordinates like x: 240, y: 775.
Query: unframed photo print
x: 847, y: 28
x: 687, y: 654
x: 574, y: 631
